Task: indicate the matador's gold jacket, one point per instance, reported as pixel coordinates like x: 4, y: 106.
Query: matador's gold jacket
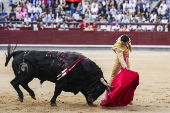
x: 122, y: 52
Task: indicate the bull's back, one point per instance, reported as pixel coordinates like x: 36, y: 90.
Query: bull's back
x: 48, y: 64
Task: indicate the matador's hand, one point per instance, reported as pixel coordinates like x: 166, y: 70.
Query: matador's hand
x: 127, y: 68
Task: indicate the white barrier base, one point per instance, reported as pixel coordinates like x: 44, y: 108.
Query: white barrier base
x: 82, y: 47
x: 86, y: 46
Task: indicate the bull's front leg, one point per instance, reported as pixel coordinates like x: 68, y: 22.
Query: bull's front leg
x: 58, y: 89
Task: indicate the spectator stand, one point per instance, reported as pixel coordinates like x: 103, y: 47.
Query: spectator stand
x: 36, y: 26
x: 49, y: 11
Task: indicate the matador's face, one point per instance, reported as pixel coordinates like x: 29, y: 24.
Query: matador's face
x: 123, y: 44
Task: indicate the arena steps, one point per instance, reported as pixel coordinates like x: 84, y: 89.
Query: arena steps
x: 154, y: 3
x: 6, y: 6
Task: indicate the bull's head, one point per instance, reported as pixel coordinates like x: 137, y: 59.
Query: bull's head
x: 97, y: 89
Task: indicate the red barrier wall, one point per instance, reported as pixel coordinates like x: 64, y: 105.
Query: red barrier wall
x: 79, y: 37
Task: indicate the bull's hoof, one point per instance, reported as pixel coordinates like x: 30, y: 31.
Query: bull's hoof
x: 20, y: 99
x: 53, y: 104
x: 90, y: 103
x: 33, y: 97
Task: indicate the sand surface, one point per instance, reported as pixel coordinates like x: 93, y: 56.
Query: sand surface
x: 151, y: 96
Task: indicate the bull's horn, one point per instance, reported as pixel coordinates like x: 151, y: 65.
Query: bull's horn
x: 108, y: 90
x: 106, y: 84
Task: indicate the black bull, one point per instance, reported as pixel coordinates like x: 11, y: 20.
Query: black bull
x: 86, y: 77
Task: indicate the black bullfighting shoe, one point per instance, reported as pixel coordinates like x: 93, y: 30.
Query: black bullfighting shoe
x: 102, y: 101
x: 131, y: 103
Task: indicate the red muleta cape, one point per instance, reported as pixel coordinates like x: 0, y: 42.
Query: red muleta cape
x: 122, y: 93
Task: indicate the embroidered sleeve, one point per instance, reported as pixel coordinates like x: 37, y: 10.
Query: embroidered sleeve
x: 121, y: 58
x: 130, y: 47
x: 117, y: 45
x: 128, y: 64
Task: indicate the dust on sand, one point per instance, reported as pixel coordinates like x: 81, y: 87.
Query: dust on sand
x: 152, y: 95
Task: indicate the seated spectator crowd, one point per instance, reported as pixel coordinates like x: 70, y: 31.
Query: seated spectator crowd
x: 16, y: 26
x: 119, y: 28
x: 95, y: 11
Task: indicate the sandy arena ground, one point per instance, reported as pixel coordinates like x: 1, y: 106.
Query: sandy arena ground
x: 151, y: 96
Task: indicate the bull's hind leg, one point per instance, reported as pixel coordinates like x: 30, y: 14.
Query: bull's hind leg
x: 15, y: 84
x: 30, y: 91
x: 22, y: 80
x: 27, y: 88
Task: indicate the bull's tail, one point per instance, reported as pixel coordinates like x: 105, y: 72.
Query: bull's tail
x: 10, y: 53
